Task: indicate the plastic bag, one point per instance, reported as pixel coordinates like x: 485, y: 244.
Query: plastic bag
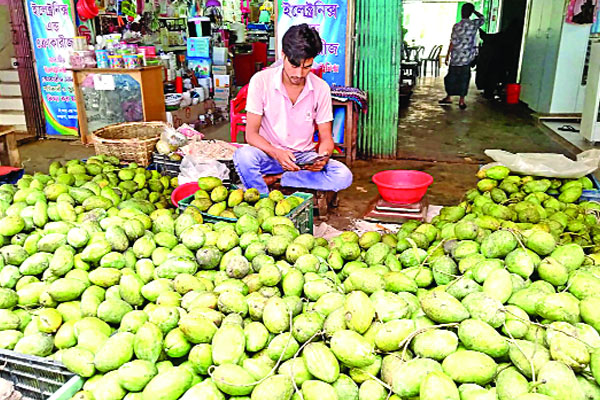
x: 548, y: 164
x: 190, y: 133
x: 212, y: 149
x: 174, y: 138
x: 193, y: 168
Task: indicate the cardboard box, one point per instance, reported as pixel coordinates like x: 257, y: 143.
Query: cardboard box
x: 191, y: 114
x: 220, y: 55
x: 221, y: 70
x: 222, y: 94
x: 221, y: 102
x: 200, y: 66
x: 198, y: 47
x: 222, y: 91
x: 222, y: 81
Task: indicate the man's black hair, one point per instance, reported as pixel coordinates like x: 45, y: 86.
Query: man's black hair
x: 301, y: 42
x: 467, y: 10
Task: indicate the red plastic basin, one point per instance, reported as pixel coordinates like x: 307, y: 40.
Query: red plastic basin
x: 183, y: 191
x: 402, y: 186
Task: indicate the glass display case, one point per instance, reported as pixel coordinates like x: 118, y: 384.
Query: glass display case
x: 112, y: 96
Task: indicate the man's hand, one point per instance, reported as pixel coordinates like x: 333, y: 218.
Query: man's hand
x: 447, y: 60
x: 319, y: 165
x: 286, y: 159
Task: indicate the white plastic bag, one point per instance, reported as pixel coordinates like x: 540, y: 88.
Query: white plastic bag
x: 193, y: 168
x: 548, y: 164
x: 173, y: 138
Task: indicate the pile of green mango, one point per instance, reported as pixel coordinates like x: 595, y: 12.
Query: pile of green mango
x: 71, y: 189
x: 497, y: 298
x: 215, y: 199
x: 522, y: 203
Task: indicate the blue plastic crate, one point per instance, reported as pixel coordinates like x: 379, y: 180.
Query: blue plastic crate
x: 592, y: 194
x: 12, y: 177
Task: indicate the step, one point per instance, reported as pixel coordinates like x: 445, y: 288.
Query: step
x: 12, y: 118
x: 9, y: 75
x: 11, y: 103
x: 10, y: 90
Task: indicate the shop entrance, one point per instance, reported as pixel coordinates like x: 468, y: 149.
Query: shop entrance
x: 428, y: 24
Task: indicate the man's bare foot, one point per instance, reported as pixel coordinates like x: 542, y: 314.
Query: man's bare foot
x: 271, y: 179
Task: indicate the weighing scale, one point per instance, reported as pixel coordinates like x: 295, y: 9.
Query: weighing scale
x: 380, y: 210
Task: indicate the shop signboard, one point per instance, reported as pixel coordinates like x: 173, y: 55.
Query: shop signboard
x: 330, y: 19
x: 52, y: 28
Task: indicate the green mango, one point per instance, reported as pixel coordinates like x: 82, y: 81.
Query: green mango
x: 115, y: 352
x: 38, y: 344
x: 79, y: 361
x: 169, y: 384
x: 136, y: 374
x: 148, y: 342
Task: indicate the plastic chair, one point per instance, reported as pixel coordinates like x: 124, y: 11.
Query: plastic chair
x: 237, y: 114
x: 413, y: 53
x: 411, y: 64
x: 434, y: 58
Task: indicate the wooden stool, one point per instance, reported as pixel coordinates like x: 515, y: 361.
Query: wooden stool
x: 10, y: 153
x: 324, y: 201
x: 350, y: 132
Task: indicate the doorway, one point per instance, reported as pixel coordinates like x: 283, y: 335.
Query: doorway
x: 429, y: 23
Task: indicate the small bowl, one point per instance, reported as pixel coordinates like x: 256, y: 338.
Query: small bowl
x: 183, y: 191
x: 402, y: 186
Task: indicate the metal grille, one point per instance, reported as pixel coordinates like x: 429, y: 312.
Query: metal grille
x: 27, y: 77
x: 377, y: 71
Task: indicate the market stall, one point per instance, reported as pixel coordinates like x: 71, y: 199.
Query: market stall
x: 198, y: 47
x: 120, y: 281
x: 147, y: 272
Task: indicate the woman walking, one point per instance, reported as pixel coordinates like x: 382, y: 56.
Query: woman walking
x: 461, y: 53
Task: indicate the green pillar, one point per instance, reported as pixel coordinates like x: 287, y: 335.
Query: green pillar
x: 377, y: 71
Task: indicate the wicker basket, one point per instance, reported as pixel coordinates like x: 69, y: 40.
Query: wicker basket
x: 130, y: 141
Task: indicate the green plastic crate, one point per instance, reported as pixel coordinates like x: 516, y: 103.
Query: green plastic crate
x: 38, y: 378
x: 68, y: 390
x: 302, y: 216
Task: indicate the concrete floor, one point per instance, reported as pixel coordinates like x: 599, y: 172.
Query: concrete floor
x: 446, y: 142
x: 428, y: 131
